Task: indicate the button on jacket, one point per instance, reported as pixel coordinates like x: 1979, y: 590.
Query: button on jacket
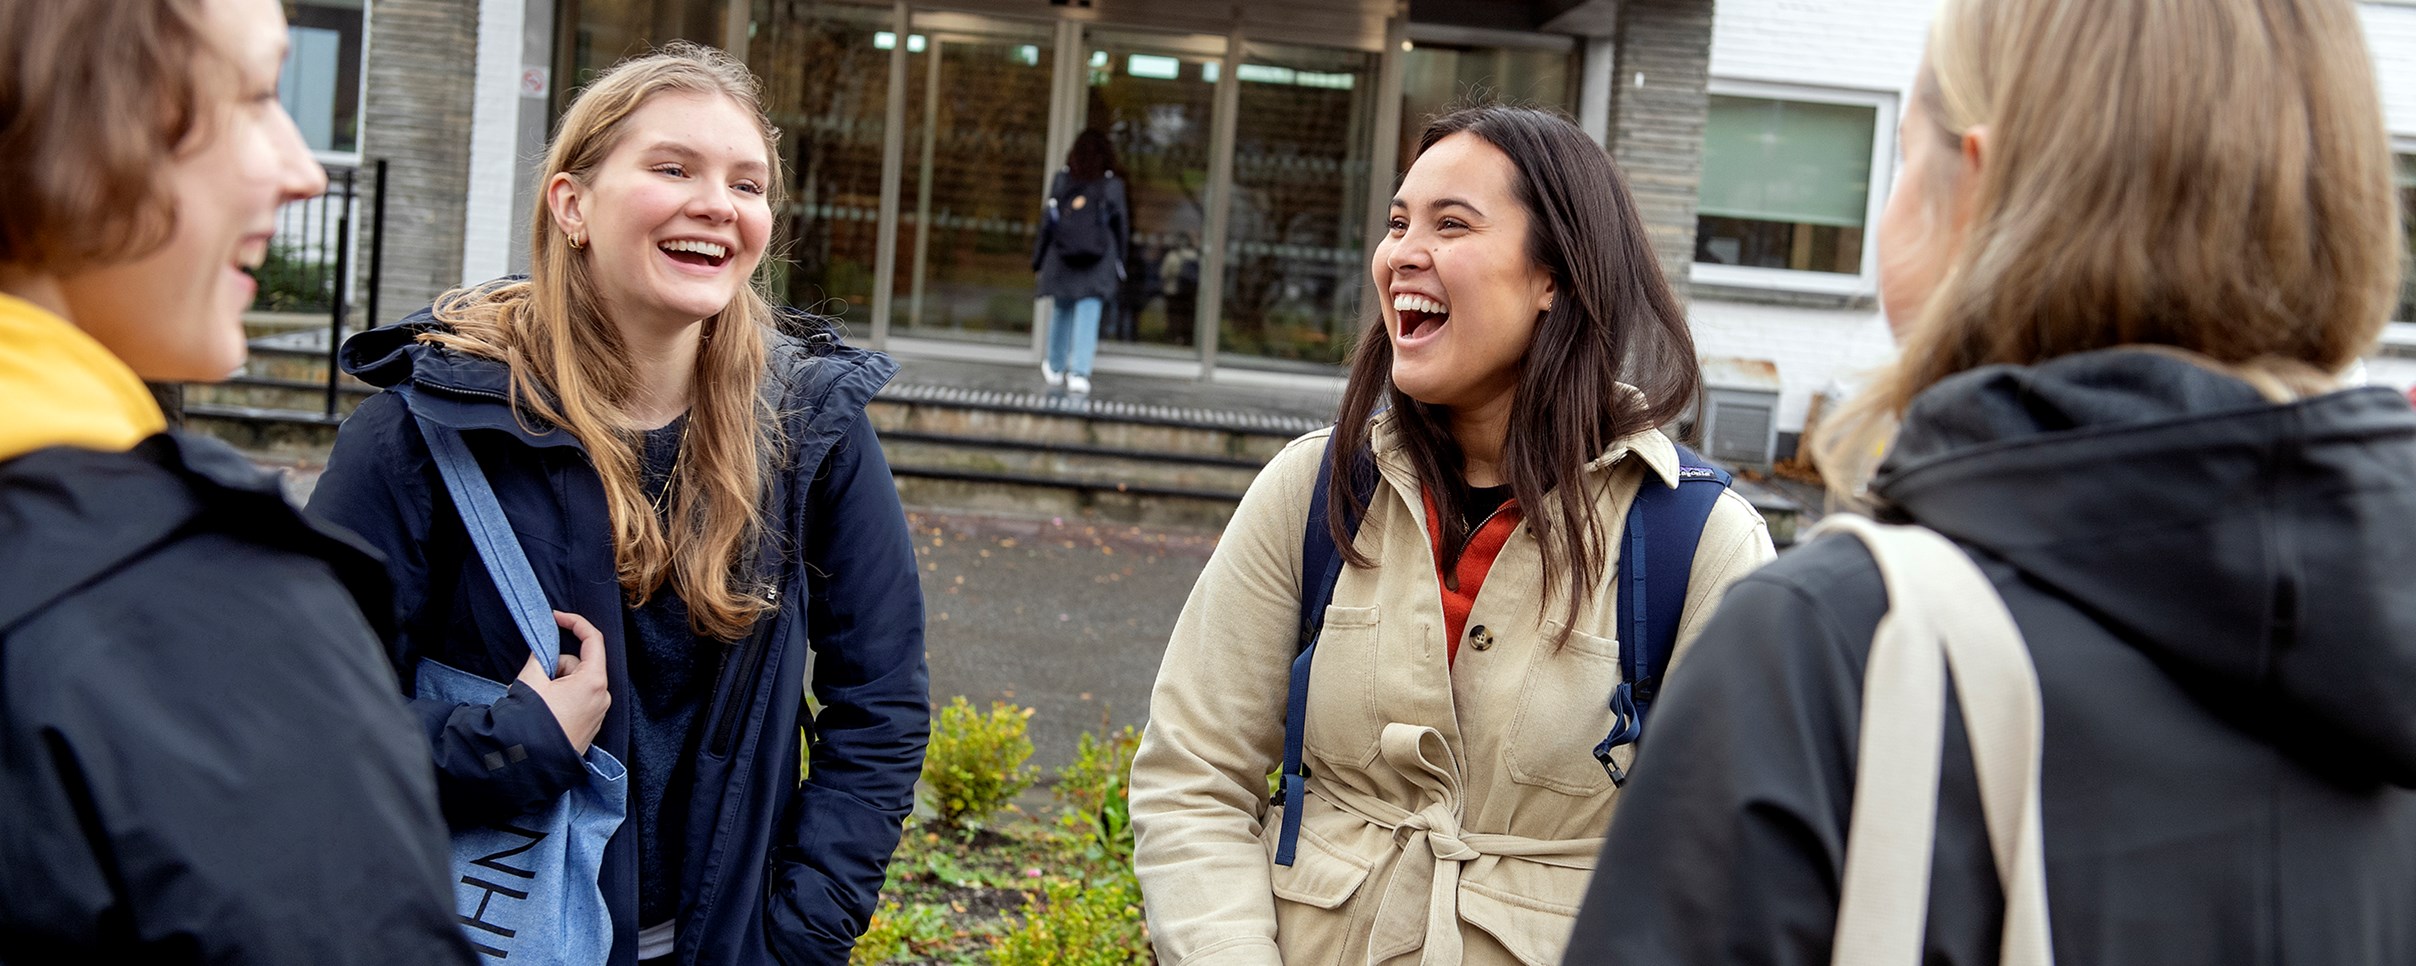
x: 1452, y: 812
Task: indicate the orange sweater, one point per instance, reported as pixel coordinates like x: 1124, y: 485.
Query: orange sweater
x: 1475, y: 561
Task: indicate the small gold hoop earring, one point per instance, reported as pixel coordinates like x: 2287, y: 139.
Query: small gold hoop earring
x: 578, y: 242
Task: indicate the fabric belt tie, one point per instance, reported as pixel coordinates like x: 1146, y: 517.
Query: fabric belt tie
x: 1419, y: 911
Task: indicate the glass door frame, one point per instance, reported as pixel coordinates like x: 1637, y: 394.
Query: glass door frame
x: 1069, y: 101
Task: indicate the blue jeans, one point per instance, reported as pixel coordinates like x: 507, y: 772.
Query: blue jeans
x: 1074, y: 336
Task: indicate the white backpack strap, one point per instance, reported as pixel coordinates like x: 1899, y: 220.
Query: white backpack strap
x: 1942, y: 614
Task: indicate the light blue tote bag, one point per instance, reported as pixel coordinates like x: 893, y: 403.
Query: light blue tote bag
x: 525, y: 889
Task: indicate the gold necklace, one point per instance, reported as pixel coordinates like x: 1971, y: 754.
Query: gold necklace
x: 661, y: 500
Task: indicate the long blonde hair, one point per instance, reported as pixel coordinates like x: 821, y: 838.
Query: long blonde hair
x: 2210, y: 176
x: 570, y: 367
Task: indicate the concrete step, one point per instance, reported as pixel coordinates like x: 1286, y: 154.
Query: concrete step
x: 950, y: 447
x: 284, y: 435
x: 273, y: 393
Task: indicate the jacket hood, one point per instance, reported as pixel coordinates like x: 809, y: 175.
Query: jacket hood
x: 811, y: 373
x: 2260, y: 553
x: 69, y: 516
x: 59, y: 387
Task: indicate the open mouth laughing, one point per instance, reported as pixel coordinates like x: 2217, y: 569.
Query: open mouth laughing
x: 1420, y: 316
x: 696, y: 252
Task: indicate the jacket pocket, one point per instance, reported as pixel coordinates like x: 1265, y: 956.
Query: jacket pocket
x: 1533, y: 931
x: 1343, y: 723
x: 1314, y: 921
x: 1565, y: 714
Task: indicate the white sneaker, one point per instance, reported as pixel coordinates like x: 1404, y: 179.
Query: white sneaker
x: 1078, y: 384
x: 1051, y: 376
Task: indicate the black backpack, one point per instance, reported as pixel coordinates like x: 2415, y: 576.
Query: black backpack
x: 1079, y: 235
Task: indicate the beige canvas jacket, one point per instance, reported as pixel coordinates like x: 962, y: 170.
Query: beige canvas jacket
x: 1452, y: 814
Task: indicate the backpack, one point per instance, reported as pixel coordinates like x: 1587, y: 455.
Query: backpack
x: 1079, y: 235
x: 1663, y: 525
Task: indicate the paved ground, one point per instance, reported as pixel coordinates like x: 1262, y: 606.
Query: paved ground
x: 1063, y: 617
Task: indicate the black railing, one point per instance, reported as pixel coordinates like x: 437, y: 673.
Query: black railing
x: 310, y: 261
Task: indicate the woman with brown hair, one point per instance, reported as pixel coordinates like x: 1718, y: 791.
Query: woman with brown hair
x: 701, y: 483
x: 1085, y: 233
x: 1444, y: 791
x: 201, y: 755
x: 2131, y: 246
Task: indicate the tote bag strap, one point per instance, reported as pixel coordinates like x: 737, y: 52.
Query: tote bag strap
x: 498, y: 546
x: 1943, y: 614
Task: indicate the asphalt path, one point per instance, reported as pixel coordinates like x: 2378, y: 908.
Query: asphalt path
x: 1063, y: 616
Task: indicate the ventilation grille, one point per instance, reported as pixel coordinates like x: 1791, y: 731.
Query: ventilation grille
x: 1739, y: 430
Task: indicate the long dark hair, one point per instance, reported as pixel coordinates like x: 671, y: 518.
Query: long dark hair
x: 1091, y: 157
x: 1613, y: 320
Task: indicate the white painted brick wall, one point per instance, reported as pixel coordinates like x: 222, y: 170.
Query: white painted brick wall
x: 2391, y: 35
x: 494, y: 137
x: 1872, y: 45
x: 1876, y: 45
x: 1812, y: 347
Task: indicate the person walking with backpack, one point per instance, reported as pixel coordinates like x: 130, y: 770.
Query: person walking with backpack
x: 202, y: 758
x: 1412, y: 617
x: 2130, y: 247
x: 1085, y: 228
x: 701, y: 483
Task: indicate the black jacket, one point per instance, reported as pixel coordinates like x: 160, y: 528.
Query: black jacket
x: 1100, y: 279
x: 2220, y: 598
x: 201, y: 755
x: 777, y: 869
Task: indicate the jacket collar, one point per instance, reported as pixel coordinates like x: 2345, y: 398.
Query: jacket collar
x: 69, y: 515
x: 61, y: 388
x: 1649, y: 445
x: 813, y: 376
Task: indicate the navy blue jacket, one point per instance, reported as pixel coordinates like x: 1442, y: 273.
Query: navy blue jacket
x: 777, y: 870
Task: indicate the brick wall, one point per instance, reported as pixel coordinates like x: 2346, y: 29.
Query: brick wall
x: 1657, y: 124
x: 418, y: 119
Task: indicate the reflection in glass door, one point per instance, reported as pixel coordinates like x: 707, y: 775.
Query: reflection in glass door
x: 825, y: 73
x: 1155, y: 97
x: 977, y: 117
x: 1295, y: 251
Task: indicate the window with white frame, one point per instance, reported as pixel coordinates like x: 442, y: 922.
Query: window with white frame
x: 320, y: 85
x: 1789, y: 191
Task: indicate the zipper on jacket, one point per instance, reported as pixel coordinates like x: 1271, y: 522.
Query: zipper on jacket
x: 723, y: 733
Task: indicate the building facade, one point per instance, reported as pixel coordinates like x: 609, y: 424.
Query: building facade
x: 1799, y: 151
x: 1258, y: 139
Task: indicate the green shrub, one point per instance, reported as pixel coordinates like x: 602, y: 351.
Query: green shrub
x: 976, y: 763
x: 896, y: 931
x: 1101, y: 766
x: 1074, y: 924
x: 1096, y: 791
x: 291, y: 281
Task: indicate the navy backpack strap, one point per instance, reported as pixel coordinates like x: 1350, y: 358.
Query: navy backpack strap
x: 1320, y: 567
x: 498, y: 547
x: 1663, y: 526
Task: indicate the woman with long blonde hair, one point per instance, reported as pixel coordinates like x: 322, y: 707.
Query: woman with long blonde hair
x: 699, y: 483
x: 2132, y: 244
